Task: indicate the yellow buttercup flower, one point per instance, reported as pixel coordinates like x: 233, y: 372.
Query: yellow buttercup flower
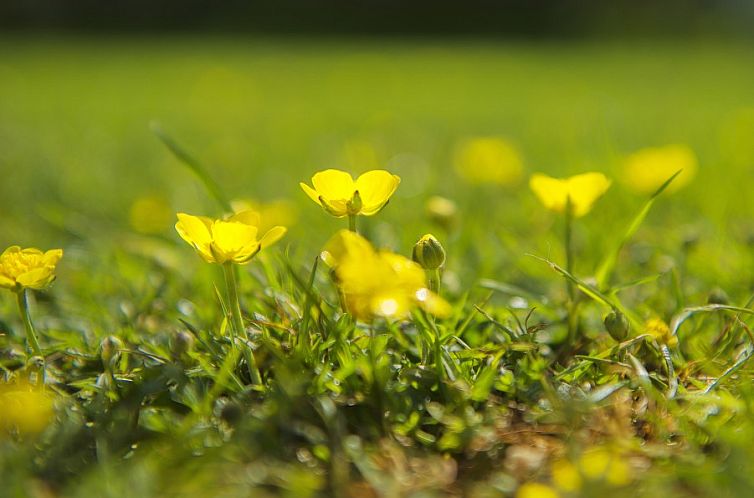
x: 583, y: 191
x: 28, y: 268
x: 658, y: 329
x: 596, y: 464
x: 25, y: 408
x: 379, y: 283
x: 536, y: 490
x: 488, y: 160
x: 234, y: 239
x: 646, y: 170
x: 340, y: 195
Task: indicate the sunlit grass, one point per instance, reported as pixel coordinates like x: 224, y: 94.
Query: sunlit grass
x: 603, y: 354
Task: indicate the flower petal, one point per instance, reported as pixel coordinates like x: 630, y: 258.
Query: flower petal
x: 585, y: 189
x: 196, y: 231
x: 313, y: 195
x: 247, y: 217
x: 552, y: 192
x: 231, y: 239
x: 333, y: 184
x: 38, y: 278
x: 375, y: 188
x: 273, y: 235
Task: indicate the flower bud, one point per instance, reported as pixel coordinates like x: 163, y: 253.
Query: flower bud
x: 110, y: 350
x: 617, y: 325
x: 429, y: 253
x: 183, y: 342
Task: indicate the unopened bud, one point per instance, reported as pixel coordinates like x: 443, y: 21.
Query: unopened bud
x: 109, y: 350
x: 429, y: 253
x: 617, y: 325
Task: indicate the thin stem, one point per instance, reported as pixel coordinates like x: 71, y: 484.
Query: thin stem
x: 31, y: 334
x: 572, y: 305
x: 352, y: 222
x: 237, y: 321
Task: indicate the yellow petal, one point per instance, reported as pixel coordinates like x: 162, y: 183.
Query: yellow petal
x: 247, y: 217
x: 375, y: 188
x: 344, y: 243
x: 647, y: 169
x: 552, y: 192
x: 273, y: 235
x: 38, y: 278
x: 333, y: 184
x: 53, y: 256
x: 232, y: 240
x: 585, y: 189
x: 432, y: 303
x: 196, y: 231
x: 6, y: 282
x: 11, y: 250
x: 313, y: 195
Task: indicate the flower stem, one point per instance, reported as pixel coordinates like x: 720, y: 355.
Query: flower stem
x: 352, y: 222
x: 572, y: 305
x: 237, y: 321
x: 433, y: 278
x: 31, y: 334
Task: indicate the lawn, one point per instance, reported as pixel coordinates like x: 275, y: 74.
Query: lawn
x: 147, y: 394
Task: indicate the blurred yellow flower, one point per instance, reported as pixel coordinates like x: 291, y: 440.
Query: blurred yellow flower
x: 25, y: 408
x: 150, y: 214
x: 378, y: 283
x: 658, y: 329
x: 234, y: 239
x: 583, y: 191
x: 28, y: 268
x: 278, y: 212
x: 442, y: 211
x: 646, y: 170
x: 340, y: 195
x: 596, y: 464
x: 536, y: 490
x: 488, y: 160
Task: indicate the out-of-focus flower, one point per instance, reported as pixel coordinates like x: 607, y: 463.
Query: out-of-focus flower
x: 378, y: 283
x: 340, y: 195
x: 488, y: 160
x: 583, y: 191
x: 234, y: 239
x: 28, y: 268
x: 536, y: 490
x: 658, y: 329
x: 150, y: 214
x: 25, y: 408
x: 646, y: 170
x: 598, y: 465
x: 279, y: 212
x: 442, y: 211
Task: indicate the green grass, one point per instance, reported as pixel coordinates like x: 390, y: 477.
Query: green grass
x: 338, y: 418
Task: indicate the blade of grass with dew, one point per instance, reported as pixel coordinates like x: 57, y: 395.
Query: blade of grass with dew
x: 605, y: 269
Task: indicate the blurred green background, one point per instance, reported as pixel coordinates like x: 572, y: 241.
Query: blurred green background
x: 263, y: 113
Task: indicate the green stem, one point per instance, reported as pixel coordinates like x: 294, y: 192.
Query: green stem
x: 433, y: 276
x: 237, y: 320
x: 352, y: 222
x: 572, y: 318
x: 31, y: 334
